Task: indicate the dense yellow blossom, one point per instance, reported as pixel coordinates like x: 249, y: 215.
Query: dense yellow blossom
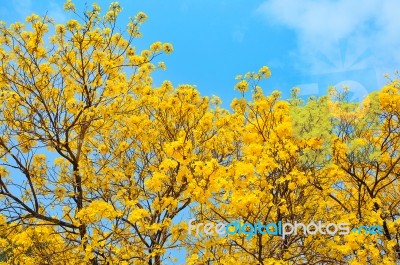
x: 101, y: 166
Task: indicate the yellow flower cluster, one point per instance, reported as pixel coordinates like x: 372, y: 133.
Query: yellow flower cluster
x: 131, y: 158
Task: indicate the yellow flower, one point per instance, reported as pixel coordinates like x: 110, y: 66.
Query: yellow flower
x: 242, y: 86
x: 167, y: 47
x: 141, y: 17
x: 103, y: 149
x: 59, y: 192
x: 156, y: 46
x: 291, y: 186
x: 60, y: 29
x: 72, y: 24
x: 137, y: 214
x: 265, y: 72
x: 69, y: 6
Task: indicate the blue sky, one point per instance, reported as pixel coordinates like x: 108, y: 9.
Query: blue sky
x: 307, y: 43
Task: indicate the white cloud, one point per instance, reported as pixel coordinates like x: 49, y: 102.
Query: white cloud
x: 340, y: 35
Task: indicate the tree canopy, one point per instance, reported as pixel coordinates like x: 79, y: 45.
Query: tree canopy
x: 100, y: 166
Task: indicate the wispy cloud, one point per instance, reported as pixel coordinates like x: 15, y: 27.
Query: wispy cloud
x: 340, y: 35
